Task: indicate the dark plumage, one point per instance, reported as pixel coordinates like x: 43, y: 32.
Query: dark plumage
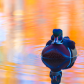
x: 49, y: 43
x: 69, y: 43
x: 52, y: 37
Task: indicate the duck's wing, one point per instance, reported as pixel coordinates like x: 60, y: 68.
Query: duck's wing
x: 49, y: 42
x: 69, y: 43
x: 74, y: 52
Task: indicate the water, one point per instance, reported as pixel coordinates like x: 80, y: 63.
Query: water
x: 23, y: 63
x: 22, y: 38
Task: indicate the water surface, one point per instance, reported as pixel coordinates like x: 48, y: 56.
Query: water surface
x: 23, y: 37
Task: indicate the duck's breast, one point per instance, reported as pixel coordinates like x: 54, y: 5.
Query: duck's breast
x: 56, y: 51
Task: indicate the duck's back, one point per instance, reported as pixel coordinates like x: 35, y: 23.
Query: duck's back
x: 56, y: 51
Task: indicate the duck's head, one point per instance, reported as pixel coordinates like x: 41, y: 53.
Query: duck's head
x: 57, y: 33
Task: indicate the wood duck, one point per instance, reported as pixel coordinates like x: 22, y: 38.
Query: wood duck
x: 58, y: 50
x: 59, y: 53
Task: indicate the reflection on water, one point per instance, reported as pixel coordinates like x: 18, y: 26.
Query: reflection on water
x: 24, y: 35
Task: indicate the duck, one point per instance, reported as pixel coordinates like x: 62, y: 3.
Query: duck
x: 56, y: 49
x: 59, y: 47
x: 59, y: 53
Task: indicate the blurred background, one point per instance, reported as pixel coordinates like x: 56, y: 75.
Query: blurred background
x: 26, y: 26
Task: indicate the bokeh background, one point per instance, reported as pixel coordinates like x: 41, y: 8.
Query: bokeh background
x: 26, y: 26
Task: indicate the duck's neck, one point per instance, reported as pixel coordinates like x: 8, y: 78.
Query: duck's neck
x: 56, y: 41
x: 59, y: 42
